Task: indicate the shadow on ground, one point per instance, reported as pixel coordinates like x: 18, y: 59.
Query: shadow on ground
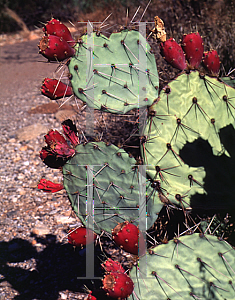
x: 57, y: 268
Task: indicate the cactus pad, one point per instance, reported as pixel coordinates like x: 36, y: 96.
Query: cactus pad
x: 190, y: 267
x: 115, y: 186
x: 114, y: 67
x: 189, y: 142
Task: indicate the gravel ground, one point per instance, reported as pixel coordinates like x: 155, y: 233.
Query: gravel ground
x: 36, y: 262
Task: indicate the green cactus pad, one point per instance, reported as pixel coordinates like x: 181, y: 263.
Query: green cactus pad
x: 108, y: 76
x: 187, y: 141
x: 115, y: 186
x: 229, y: 80
x: 190, y: 267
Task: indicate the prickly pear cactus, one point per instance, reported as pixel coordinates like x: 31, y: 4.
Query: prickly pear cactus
x: 114, y: 74
x: 189, y: 138
x: 189, y: 267
x: 115, y: 179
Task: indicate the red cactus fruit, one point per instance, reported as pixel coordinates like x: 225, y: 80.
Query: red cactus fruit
x: 193, y: 47
x: 91, y: 297
x: 212, y: 62
x: 58, y: 144
x: 55, y: 48
x: 53, y: 137
x: 112, y: 266
x: 55, y: 89
x: 78, y: 236
x: 49, y: 186
x: 70, y: 131
x: 128, y: 237
x: 173, y: 54
x: 118, y: 286
x: 57, y: 28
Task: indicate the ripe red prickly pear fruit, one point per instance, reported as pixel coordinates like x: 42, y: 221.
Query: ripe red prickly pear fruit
x: 173, y: 54
x: 118, y: 286
x: 78, y: 236
x: 57, y: 28
x: 55, y: 48
x: 55, y: 89
x: 128, y: 237
x: 112, y: 266
x: 212, y: 62
x: 193, y: 47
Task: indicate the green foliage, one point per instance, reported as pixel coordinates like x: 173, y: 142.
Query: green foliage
x: 115, y: 186
x: 112, y: 80
x: 188, y: 267
x: 190, y: 140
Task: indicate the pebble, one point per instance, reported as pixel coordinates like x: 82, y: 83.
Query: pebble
x: 60, y: 219
x: 63, y: 296
x: 41, y: 230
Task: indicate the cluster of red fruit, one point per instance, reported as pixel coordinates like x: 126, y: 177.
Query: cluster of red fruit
x: 57, y: 44
x: 58, y: 150
x: 116, y: 283
x: 192, y: 50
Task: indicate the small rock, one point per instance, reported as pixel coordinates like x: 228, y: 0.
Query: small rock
x: 63, y: 296
x: 34, y: 242
x: 12, y: 140
x: 21, y: 176
x: 62, y: 115
x: 23, y: 148
x: 22, y: 192
x: 60, y: 219
x: 17, y: 158
x: 14, y: 199
x: 41, y: 230
x: 31, y: 132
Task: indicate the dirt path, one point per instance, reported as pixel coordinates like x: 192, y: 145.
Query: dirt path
x: 21, y: 68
